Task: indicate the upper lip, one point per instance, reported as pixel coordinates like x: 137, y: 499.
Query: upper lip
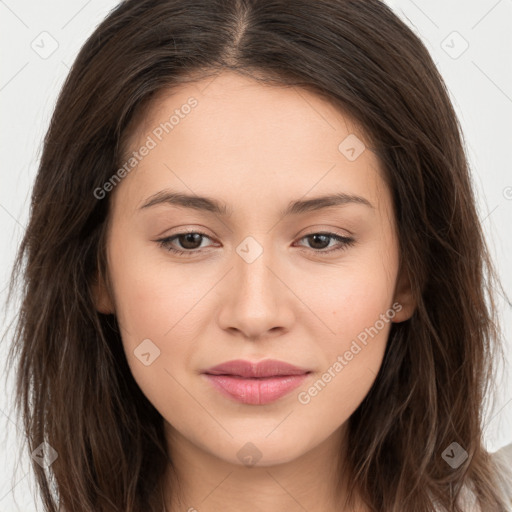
x: 248, y: 369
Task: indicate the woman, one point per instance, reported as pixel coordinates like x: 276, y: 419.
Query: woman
x: 257, y: 369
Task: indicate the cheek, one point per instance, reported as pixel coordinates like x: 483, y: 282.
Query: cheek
x: 353, y: 300
x: 153, y: 297
x: 357, y: 309
x: 361, y: 319
x: 153, y: 304
x: 157, y: 344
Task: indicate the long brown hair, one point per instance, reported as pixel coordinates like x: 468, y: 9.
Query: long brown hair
x: 74, y: 387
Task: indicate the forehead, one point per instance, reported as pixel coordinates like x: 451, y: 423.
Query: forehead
x: 244, y: 134
x: 230, y: 100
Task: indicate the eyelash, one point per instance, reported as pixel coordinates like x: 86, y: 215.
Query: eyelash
x: 165, y: 242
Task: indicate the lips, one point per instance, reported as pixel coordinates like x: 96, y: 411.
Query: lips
x: 255, y: 383
x: 262, y: 369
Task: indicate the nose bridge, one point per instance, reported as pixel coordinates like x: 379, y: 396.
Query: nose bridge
x: 256, y: 299
x: 254, y: 277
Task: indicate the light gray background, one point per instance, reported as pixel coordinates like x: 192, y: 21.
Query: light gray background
x: 40, y: 40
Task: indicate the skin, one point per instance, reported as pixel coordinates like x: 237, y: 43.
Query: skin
x: 256, y: 148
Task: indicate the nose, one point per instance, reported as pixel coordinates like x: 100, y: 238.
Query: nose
x: 256, y: 301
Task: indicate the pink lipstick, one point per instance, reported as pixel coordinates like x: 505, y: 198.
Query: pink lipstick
x: 255, y: 383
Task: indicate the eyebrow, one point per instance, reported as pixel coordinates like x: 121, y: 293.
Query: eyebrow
x: 211, y: 205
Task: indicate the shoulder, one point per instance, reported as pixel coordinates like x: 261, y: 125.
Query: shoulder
x: 504, y: 456
x: 503, y: 459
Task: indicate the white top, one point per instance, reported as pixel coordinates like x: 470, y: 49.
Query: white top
x: 503, y: 459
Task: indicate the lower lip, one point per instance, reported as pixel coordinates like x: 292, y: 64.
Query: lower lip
x: 255, y: 391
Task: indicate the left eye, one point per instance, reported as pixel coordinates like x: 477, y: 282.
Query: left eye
x: 343, y: 241
x: 190, y: 240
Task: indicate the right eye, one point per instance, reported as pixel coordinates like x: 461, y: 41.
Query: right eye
x: 186, y: 239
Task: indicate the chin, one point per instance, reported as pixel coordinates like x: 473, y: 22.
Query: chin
x: 261, y: 451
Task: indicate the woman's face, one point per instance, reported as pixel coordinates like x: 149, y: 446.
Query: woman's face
x: 253, y: 284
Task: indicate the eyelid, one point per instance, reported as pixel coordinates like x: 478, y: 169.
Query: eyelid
x: 323, y: 228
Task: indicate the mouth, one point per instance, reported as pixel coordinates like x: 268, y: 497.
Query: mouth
x: 255, y: 383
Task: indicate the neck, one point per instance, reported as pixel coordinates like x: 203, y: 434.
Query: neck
x: 203, y: 482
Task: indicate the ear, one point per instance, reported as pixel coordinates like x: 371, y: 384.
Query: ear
x: 101, y: 296
x: 404, y: 297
